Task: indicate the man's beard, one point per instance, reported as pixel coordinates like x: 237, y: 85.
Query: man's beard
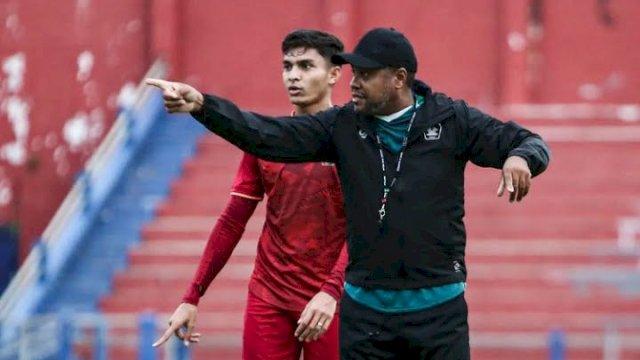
x: 378, y: 107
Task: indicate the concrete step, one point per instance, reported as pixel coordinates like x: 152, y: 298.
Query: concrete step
x: 192, y: 227
x: 513, y: 224
x: 572, y: 321
x: 189, y: 247
x: 539, y: 202
x: 176, y: 285
x: 492, y: 249
x: 508, y: 269
x: 544, y: 226
x: 554, y: 299
x: 539, y: 260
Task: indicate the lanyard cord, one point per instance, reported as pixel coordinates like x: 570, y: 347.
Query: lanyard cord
x: 387, y: 189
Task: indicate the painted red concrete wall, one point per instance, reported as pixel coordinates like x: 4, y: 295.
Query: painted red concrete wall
x: 491, y: 52
x: 589, y: 52
x: 238, y: 54
x: 65, y: 63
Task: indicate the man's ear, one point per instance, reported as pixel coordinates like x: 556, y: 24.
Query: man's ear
x: 400, y: 78
x: 334, y: 74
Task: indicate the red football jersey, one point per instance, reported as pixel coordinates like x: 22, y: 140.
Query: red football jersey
x: 299, y: 250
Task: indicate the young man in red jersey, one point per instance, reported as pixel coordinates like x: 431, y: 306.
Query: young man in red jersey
x: 299, y: 269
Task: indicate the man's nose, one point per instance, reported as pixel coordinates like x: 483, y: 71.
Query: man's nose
x: 293, y: 75
x: 355, y: 83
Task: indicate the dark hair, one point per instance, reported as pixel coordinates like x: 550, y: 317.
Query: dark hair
x: 324, y: 43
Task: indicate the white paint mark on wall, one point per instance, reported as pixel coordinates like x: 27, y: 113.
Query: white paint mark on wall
x: 51, y: 140
x: 92, y: 96
x: 81, y: 130
x: 615, y: 81
x: 14, y: 67
x: 12, y: 23
x: 83, y: 4
x: 37, y: 143
x: 590, y: 91
x: 17, y: 110
x: 76, y: 131
x: 127, y: 95
x: 60, y: 158
x: 18, y: 114
x: 96, y: 127
x: 85, y: 65
x: 339, y: 18
x: 516, y: 41
x: 14, y: 153
x: 629, y: 112
x: 134, y: 25
x: 535, y: 32
x: 60, y: 153
x: 5, y: 192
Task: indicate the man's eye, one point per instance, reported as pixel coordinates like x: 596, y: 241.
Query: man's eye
x: 287, y: 67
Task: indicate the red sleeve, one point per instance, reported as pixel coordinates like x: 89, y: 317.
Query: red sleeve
x: 248, y: 182
x: 223, y: 239
x: 335, y: 283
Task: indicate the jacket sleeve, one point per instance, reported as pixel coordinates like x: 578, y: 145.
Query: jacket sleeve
x: 488, y: 142
x: 282, y: 139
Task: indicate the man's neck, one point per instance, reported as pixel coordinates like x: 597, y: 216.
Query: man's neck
x: 313, y: 108
x: 404, y: 100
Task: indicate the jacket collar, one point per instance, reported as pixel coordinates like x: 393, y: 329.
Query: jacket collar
x: 436, y: 108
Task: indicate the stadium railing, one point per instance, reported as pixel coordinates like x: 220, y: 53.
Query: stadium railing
x: 90, y: 336
x: 83, y: 202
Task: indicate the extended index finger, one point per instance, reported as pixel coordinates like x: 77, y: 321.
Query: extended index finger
x: 159, y: 83
x: 163, y: 339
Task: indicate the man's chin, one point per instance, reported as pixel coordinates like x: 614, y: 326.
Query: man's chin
x: 298, y: 101
x: 361, y: 108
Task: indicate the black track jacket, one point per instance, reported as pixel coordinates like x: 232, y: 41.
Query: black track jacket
x: 421, y: 241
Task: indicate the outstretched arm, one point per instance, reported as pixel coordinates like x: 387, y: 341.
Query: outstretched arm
x: 306, y: 138
x: 520, y: 153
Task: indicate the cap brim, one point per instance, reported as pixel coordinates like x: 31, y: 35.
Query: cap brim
x: 356, y: 61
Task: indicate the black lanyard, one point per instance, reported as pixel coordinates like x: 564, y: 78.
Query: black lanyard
x: 387, y: 189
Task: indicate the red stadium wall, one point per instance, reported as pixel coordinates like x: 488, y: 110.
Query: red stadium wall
x: 236, y: 45
x: 491, y: 52
x: 65, y: 64
x: 589, y: 53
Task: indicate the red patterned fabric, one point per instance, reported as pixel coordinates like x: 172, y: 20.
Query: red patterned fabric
x: 301, y: 249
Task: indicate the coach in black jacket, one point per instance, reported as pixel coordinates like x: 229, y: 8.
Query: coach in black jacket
x: 400, y: 150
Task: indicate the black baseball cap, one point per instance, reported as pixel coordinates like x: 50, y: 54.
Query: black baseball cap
x: 380, y: 48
